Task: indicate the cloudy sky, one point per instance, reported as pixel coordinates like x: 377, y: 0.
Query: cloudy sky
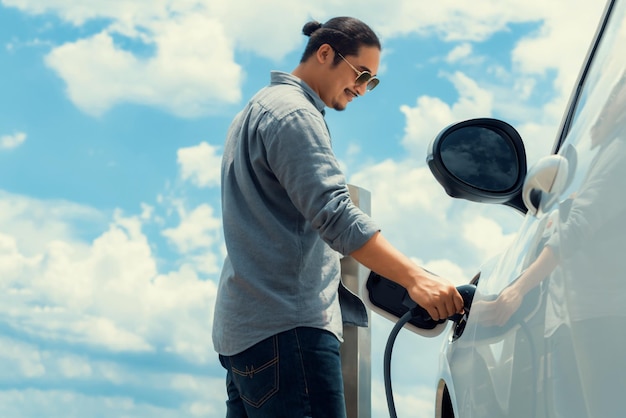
x: 112, y: 119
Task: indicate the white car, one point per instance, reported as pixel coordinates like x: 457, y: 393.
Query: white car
x: 545, y: 335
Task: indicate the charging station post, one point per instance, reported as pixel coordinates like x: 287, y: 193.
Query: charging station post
x: 356, y: 347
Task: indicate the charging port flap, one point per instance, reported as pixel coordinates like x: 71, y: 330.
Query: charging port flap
x: 389, y: 299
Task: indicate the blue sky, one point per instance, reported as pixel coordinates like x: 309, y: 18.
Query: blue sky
x: 112, y: 118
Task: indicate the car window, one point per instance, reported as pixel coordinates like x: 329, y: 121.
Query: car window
x: 595, y: 115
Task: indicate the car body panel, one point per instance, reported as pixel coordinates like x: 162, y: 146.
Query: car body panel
x: 560, y: 352
x: 545, y: 334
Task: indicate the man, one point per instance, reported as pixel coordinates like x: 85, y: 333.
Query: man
x: 287, y: 217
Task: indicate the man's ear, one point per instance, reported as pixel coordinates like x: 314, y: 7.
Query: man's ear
x: 324, y: 54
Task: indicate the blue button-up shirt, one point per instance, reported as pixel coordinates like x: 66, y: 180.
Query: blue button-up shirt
x: 287, y: 218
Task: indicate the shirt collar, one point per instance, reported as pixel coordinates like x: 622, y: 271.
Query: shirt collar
x: 279, y: 77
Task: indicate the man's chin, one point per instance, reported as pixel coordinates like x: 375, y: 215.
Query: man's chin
x: 339, y: 106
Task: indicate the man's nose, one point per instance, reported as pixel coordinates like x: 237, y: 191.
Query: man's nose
x: 361, y: 89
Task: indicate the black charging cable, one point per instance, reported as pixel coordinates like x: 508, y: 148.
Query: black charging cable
x: 387, y: 361
x: 416, y: 311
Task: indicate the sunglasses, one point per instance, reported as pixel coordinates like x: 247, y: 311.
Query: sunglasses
x: 362, y: 77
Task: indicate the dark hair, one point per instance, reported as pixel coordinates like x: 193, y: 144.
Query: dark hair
x: 344, y: 34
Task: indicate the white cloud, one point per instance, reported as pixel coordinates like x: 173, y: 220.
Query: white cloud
x: 19, y: 359
x: 538, y: 137
x: 106, y: 294
x: 424, y: 121
x: 485, y: 235
x: 33, y: 224
x: 562, y: 32
x: 62, y: 378
x: 412, y: 210
x: 200, y: 164
x: 447, y: 269
x: 193, y: 69
x: 146, y: 212
x: 74, y: 367
x: 410, y: 400
x: 79, y: 14
x: 12, y: 141
x: 66, y: 403
x: 458, y: 53
x: 400, y: 188
x: 448, y: 237
x: 16, y: 45
x: 510, y: 93
x: 196, y: 237
x: 191, y: 74
x: 192, y: 234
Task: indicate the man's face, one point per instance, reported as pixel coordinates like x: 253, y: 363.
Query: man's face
x: 340, y: 86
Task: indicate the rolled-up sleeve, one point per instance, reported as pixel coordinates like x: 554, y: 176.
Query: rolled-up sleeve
x: 300, y: 155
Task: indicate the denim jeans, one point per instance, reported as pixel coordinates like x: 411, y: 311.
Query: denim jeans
x: 294, y: 374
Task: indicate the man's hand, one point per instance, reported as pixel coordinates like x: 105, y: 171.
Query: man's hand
x: 438, y: 296
x: 435, y: 294
x: 499, y: 311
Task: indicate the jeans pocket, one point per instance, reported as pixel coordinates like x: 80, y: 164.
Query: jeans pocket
x: 255, y: 372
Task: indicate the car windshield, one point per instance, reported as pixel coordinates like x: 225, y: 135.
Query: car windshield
x: 598, y: 114
x: 605, y: 71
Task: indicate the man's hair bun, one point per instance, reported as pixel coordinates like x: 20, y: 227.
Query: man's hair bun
x: 343, y: 33
x: 311, y: 27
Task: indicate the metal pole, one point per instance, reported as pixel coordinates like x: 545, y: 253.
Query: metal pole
x: 356, y: 348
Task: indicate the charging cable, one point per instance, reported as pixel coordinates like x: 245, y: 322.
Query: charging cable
x: 467, y: 292
x: 387, y: 361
